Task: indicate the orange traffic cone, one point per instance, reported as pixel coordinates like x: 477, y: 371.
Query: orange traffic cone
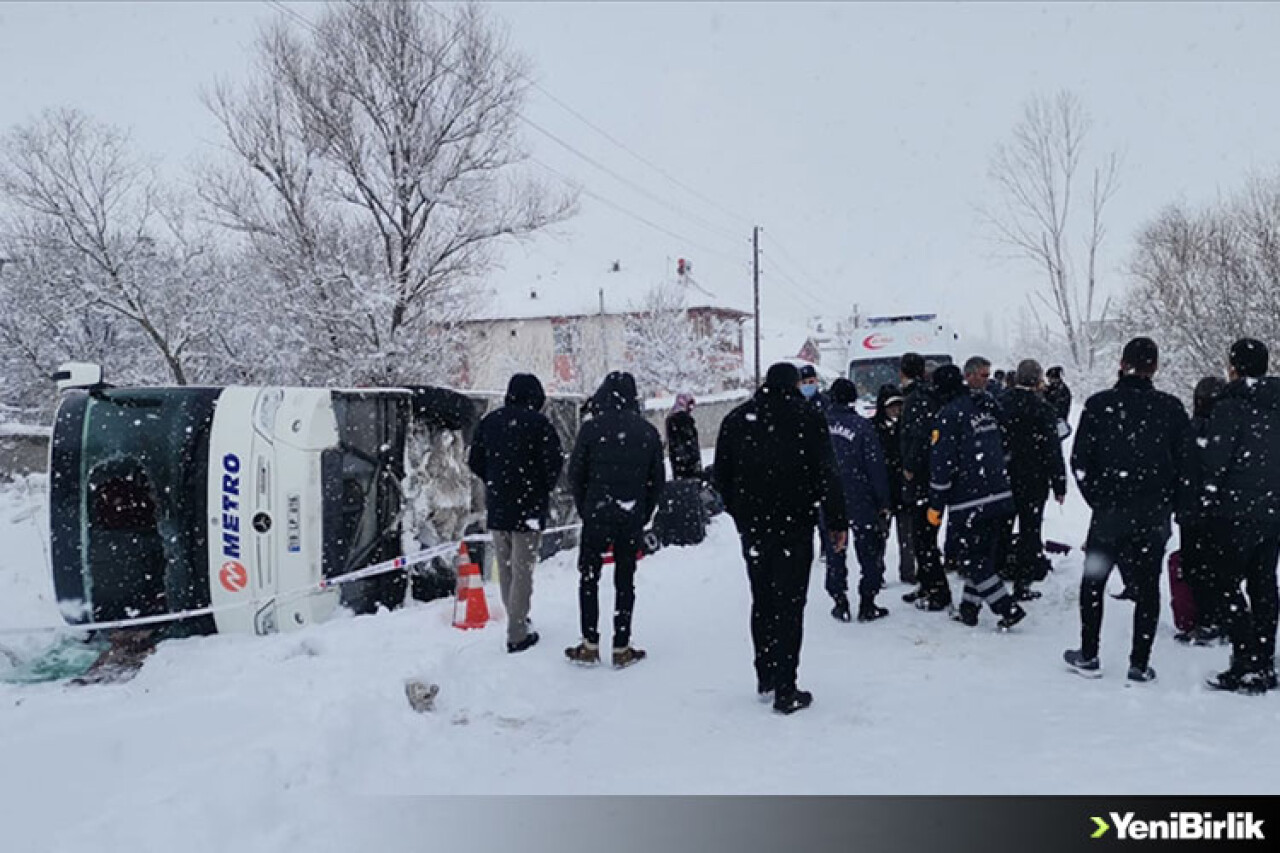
x: 470, y: 598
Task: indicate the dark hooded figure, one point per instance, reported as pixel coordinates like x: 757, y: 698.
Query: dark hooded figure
x: 1240, y: 492
x: 888, y: 424
x: 1129, y: 460
x: 1200, y: 568
x: 967, y: 478
x: 616, y: 474
x: 865, y: 482
x: 774, y: 467
x: 683, y: 447
x: 517, y: 453
x: 1057, y: 393
x: 921, y: 404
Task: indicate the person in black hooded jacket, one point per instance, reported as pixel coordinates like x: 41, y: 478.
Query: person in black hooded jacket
x: 774, y: 467
x: 888, y: 424
x: 921, y: 407
x: 1200, y: 564
x: 517, y: 454
x: 683, y: 447
x: 1130, y: 461
x: 1240, y: 492
x: 616, y: 474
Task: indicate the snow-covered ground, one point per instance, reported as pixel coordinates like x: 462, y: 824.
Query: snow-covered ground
x: 255, y: 742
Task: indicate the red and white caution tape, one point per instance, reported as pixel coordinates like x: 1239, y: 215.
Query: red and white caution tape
x: 392, y: 565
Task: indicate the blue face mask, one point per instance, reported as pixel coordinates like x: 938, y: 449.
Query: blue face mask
x: 808, y: 391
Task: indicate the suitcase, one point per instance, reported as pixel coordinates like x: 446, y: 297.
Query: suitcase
x: 681, y: 518
x: 1180, y: 599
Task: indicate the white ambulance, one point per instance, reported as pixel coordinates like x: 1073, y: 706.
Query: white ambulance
x: 876, y: 347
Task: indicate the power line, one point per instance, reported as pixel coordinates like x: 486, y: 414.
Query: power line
x: 643, y: 191
x: 798, y: 266
x: 586, y: 158
x: 632, y: 214
x: 611, y: 138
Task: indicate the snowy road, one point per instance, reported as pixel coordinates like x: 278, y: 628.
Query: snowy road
x: 217, y: 732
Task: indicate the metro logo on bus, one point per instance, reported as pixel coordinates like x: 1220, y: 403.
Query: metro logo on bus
x: 876, y: 341
x: 231, y: 506
x: 233, y: 576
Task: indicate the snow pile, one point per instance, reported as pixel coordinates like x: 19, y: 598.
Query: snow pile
x: 255, y: 743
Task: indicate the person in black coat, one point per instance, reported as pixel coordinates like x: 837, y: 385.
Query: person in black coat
x: 1200, y: 567
x: 1240, y: 492
x: 517, y: 453
x: 616, y: 474
x: 888, y: 424
x: 921, y: 406
x: 683, y: 447
x: 774, y: 467
x: 1057, y: 394
x: 1129, y: 461
x: 1035, y: 468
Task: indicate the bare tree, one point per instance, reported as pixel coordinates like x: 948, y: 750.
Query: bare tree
x: 89, y: 221
x: 376, y: 168
x: 1202, y: 278
x: 670, y: 351
x: 1039, y: 174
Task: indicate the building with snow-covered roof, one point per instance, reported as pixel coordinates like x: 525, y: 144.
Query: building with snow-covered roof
x: 572, y: 326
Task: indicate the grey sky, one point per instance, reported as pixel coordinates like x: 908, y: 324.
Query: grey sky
x: 857, y: 135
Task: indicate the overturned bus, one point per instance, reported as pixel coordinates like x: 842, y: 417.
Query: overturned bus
x: 244, y: 501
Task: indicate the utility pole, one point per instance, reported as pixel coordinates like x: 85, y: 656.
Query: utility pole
x: 604, y: 339
x: 755, y: 256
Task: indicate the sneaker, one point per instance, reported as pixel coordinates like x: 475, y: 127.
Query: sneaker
x: 587, y: 654
x: 530, y: 640
x: 841, y: 611
x: 1025, y: 593
x: 966, y: 614
x: 789, y: 703
x: 1141, y: 674
x: 869, y: 611
x: 1081, y: 665
x: 626, y: 656
x: 1015, y: 615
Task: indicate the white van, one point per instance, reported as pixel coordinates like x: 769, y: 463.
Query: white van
x: 876, y: 348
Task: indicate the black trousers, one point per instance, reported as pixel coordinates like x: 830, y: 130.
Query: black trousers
x: 778, y: 569
x: 596, y: 538
x: 1028, y: 550
x: 1139, y: 553
x: 1205, y: 571
x: 924, y: 541
x: 1249, y: 558
x: 972, y: 542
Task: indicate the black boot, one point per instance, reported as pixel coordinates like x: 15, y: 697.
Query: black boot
x: 1012, y: 616
x: 967, y: 614
x: 869, y: 611
x: 841, y: 609
x: 789, y: 703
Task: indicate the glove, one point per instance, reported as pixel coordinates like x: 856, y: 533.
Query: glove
x: 934, y: 516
